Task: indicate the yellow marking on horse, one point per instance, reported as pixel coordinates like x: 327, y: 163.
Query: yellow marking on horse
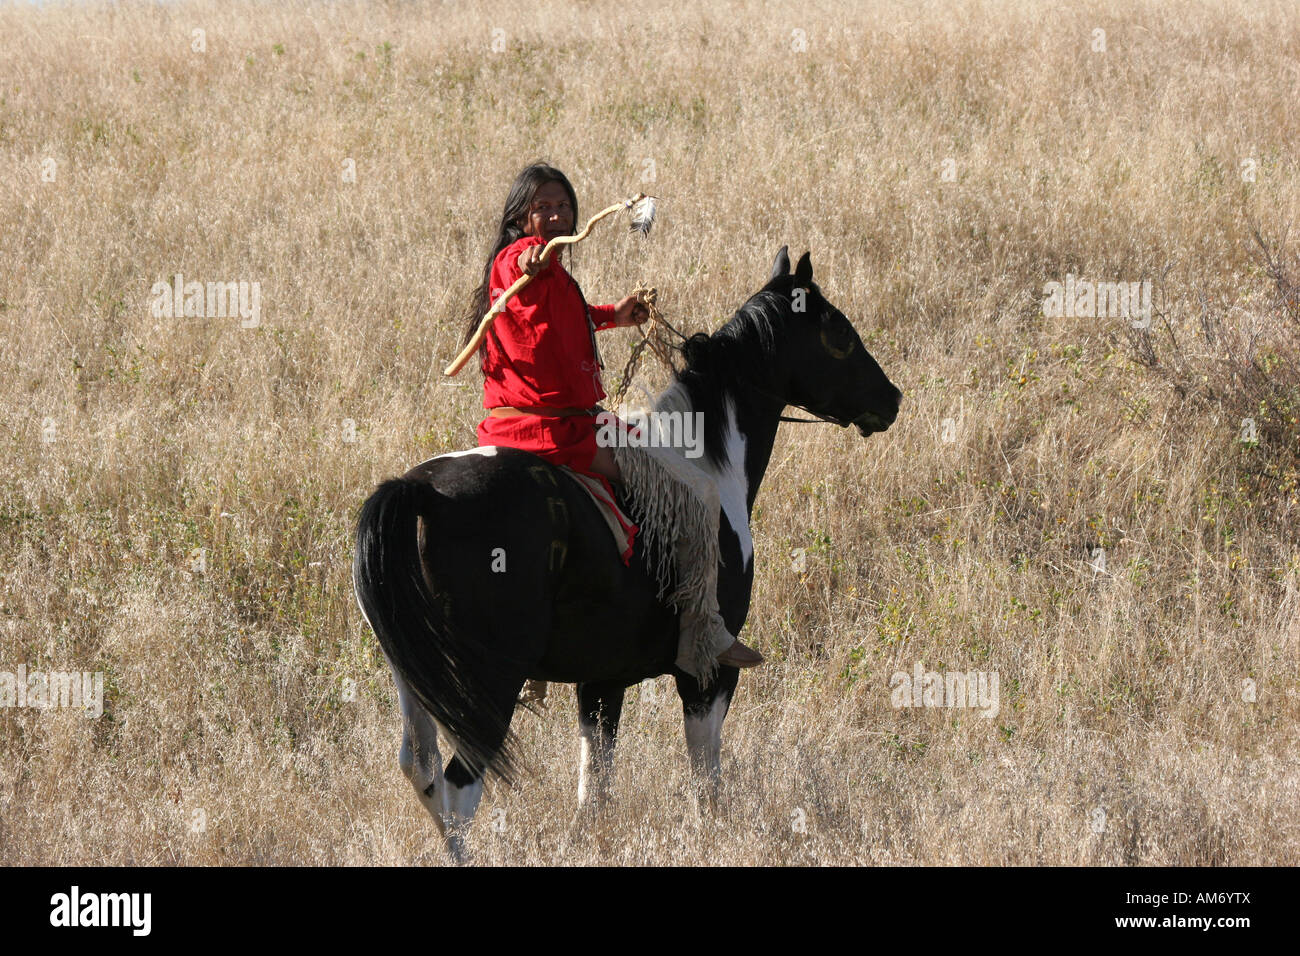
x: 559, y: 511
x: 559, y: 551
x: 837, y: 352
x: 540, y: 472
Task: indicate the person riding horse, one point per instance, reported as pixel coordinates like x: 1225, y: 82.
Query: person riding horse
x: 541, y: 385
x: 479, y: 570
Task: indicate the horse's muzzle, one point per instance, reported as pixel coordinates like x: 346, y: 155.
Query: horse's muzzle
x: 869, y: 422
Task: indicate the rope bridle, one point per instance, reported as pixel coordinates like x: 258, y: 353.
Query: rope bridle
x: 654, y: 335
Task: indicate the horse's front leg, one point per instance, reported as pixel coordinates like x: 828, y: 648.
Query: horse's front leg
x: 703, y: 711
x: 600, y: 704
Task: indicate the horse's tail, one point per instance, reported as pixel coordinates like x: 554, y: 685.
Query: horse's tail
x: 449, y: 672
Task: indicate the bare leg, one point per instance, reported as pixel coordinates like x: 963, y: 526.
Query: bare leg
x: 604, y: 464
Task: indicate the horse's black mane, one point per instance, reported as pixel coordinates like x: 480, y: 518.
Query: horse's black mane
x: 738, y: 358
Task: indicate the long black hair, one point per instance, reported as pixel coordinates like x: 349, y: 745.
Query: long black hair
x: 517, y: 205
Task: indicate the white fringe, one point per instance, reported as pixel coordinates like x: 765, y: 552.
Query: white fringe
x: 680, y: 535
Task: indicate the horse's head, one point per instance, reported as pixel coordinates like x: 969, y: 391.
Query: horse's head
x: 826, y: 368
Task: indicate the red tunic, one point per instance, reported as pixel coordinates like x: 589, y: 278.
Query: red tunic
x: 541, y: 352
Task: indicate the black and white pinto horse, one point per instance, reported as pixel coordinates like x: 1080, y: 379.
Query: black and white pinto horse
x: 480, y: 569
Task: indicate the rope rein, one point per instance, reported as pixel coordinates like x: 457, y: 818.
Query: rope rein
x: 655, y: 335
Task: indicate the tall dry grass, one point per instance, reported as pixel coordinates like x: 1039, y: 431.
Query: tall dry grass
x: 1125, y: 735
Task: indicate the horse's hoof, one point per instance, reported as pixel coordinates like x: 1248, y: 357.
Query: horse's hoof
x: 456, y: 849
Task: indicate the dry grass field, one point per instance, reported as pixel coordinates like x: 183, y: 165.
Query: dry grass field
x: 1105, y: 516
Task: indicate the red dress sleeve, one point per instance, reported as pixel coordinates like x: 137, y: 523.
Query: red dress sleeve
x: 523, y: 308
x: 602, y: 316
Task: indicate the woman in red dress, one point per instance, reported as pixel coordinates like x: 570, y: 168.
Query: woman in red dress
x: 541, y: 366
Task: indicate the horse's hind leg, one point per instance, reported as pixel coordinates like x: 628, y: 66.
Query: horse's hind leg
x: 458, y: 798
x: 461, y: 787
x: 599, y: 707
x: 451, y: 798
x: 418, y: 756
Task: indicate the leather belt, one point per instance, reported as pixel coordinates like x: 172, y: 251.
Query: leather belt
x: 509, y: 411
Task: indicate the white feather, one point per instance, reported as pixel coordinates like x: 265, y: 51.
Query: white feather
x: 643, y: 214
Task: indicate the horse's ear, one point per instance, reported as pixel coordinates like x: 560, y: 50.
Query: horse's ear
x: 781, y: 266
x: 803, y: 271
